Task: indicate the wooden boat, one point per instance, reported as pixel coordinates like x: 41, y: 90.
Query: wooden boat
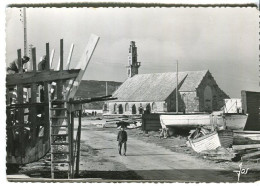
x: 189, y: 121
x: 235, y: 121
x: 231, y: 121
x: 212, y: 140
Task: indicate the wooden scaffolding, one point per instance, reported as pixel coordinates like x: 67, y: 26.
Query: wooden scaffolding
x: 30, y: 97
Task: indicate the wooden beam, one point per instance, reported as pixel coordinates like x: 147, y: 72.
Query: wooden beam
x: 60, y: 82
x: 78, y: 144
x: 33, y: 113
x: 10, y: 138
x: 69, y: 57
x: 34, y: 59
x: 242, y: 147
x: 72, y: 144
x: 47, y: 66
x: 21, y: 120
x: 20, y: 64
x: 250, y: 155
x: 51, y: 59
x: 61, y: 54
x: 73, y: 87
x: 46, y: 111
x: 34, y: 90
x: 69, y: 140
x: 42, y: 76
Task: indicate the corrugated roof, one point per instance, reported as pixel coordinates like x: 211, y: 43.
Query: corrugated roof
x: 148, y: 87
x: 157, y: 86
x: 193, y: 80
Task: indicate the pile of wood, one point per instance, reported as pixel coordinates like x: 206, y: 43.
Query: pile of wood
x: 220, y: 154
x: 247, y: 145
x: 243, y: 149
x: 131, y: 121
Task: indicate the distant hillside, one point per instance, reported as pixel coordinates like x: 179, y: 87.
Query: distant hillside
x: 93, y: 88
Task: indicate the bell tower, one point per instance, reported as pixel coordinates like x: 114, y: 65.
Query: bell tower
x: 133, y: 65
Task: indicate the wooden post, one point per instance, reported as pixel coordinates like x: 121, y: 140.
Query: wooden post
x: 33, y: 111
x: 69, y: 140
x: 69, y: 57
x: 60, y: 82
x: 46, y: 99
x: 20, y: 110
x: 78, y: 144
x: 20, y: 64
x: 61, y: 54
x: 71, y: 144
x: 9, y: 133
x: 47, y: 67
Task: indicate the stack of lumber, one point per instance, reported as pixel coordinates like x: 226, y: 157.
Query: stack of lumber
x: 221, y: 153
x: 247, y: 145
x: 114, y: 120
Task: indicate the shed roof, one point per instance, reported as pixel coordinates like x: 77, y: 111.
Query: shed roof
x: 157, y: 86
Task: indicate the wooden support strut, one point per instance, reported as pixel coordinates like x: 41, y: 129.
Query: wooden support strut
x: 60, y: 82
x: 20, y: 110
x: 46, y: 98
x: 30, y: 77
x: 71, y: 131
x: 33, y: 112
x: 78, y: 144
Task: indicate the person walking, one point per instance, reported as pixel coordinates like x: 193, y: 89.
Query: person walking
x: 122, y: 139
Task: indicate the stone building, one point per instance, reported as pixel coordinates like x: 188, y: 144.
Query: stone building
x: 197, y: 92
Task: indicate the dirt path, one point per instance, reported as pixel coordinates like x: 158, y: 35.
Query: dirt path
x: 145, y: 161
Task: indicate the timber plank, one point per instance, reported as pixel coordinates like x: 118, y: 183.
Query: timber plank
x: 46, y: 111
x: 251, y: 155
x: 21, y: 119
x: 42, y: 76
x: 242, y: 147
x: 83, y: 66
x: 33, y: 100
x: 47, y: 66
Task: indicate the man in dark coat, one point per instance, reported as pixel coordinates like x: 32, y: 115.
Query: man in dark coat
x: 42, y: 64
x: 13, y: 66
x: 122, y: 139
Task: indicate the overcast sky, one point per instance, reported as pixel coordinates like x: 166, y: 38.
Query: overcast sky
x: 221, y: 40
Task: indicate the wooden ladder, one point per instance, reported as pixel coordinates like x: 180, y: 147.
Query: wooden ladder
x: 60, y: 139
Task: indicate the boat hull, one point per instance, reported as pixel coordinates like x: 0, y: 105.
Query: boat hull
x: 232, y: 121
x: 207, y: 142
x: 223, y: 138
x: 236, y: 121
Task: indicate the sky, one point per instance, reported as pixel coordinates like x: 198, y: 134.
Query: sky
x: 221, y: 40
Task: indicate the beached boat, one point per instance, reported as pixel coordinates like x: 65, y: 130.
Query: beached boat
x: 211, y: 140
x: 190, y: 121
x: 235, y: 121
x: 232, y: 121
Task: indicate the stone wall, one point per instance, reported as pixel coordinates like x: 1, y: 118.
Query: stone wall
x: 191, y: 101
x: 197, y: 102
x: 171, y: 103
x: 218, y: 95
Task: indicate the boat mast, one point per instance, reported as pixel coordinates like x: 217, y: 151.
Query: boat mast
x: 177, y: 87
